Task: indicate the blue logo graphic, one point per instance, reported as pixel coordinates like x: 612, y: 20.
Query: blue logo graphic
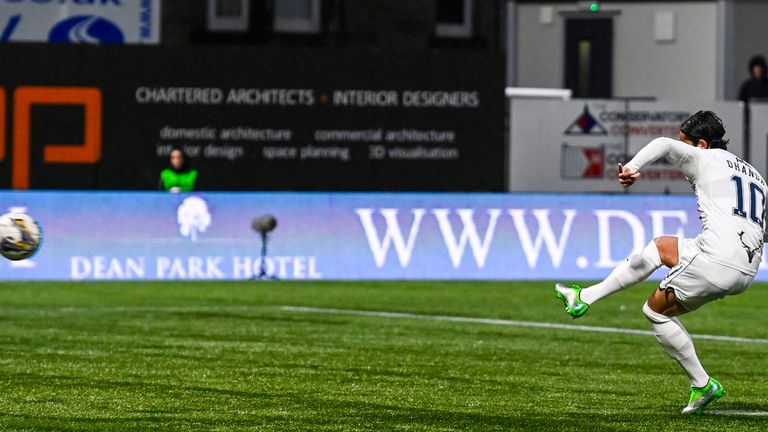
x: 13, y: 22
x: 86, y: 29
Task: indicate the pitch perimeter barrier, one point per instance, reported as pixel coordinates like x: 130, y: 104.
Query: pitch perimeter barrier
x: 156, y: 236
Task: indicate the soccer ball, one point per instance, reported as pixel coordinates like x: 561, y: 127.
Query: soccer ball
x: 20, y: 236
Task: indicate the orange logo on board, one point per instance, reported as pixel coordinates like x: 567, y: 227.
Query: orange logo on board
x: 28, y: 96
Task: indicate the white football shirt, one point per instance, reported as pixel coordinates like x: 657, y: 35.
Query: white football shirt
x: 731, y: 196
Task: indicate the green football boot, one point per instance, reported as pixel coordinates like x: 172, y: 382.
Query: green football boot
x: 571, y: 298
x: 701, y: 397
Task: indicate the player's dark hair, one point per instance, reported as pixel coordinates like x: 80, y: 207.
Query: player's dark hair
x: 705, y: 125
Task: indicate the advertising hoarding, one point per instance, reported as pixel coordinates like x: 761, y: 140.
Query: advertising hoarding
x: 575, y: 146
x: 80, y: 21
x: 342, y: 236
x: 253, y: 118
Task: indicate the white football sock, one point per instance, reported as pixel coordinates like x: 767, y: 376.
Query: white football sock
x: 678, y: 343
x: 632, y: 271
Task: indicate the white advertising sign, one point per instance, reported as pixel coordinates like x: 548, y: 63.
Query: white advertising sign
x: 80, y: 21
x: 575, y: 146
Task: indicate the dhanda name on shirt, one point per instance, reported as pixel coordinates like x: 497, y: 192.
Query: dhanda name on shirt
x: 745, y: 168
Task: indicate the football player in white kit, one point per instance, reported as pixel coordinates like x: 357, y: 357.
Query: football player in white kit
x: 722, y: 260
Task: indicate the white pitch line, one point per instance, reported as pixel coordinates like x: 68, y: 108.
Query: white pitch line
x: 737, y: 412
x: 502, y: 322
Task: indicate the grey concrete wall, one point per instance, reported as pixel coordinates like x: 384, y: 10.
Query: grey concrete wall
x: 684, y: 69
x: 540, y: 47
x: 750, y: 37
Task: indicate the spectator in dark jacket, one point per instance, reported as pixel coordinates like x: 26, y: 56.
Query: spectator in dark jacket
x: 757, y: 85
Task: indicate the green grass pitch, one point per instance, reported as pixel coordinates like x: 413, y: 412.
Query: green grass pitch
x: 225, y: 356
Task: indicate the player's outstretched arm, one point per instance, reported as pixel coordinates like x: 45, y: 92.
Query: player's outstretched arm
x: 678, y: 153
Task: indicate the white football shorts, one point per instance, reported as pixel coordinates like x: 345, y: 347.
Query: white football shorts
x: 697, y: 280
